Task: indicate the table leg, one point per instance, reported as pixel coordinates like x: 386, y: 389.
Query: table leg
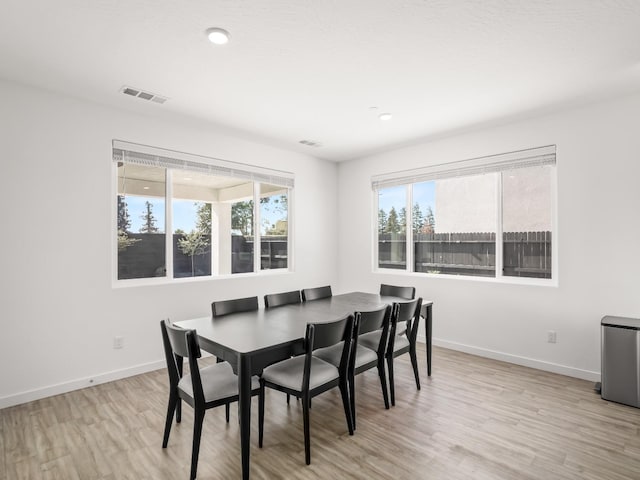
x: 244, y: 400
x: 428, y: 326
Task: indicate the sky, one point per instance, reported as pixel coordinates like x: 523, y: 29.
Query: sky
x: 423, y: 193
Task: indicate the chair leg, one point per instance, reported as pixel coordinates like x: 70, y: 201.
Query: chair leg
x: 352, y: 398
x: 344, y: 390
x: 179, y: 410
x: 414, y: 363
x: 227, y: 408
x: 261, y: 414
x: 288, y: 398
x: 392, y: 387
x: 171, y: 407
x: 307, y: 435
x: 383, y: 383
x: 198, y: 418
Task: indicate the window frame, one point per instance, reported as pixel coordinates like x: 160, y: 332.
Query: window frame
x: 411, y: 177
x: 260, y: 173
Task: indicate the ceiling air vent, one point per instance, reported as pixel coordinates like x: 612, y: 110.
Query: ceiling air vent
x: 310, y: 143
x: 136, y: 92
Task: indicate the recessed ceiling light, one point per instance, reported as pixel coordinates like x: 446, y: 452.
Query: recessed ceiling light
x: 145, y: 188
x: 385, y: 116
x: 219, y: 36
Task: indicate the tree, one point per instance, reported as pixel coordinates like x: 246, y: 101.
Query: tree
x: 124, y: 224
x: 393, y: 225
x: 149, y: 225
x: 242, y: 217
x: 402, y: 222
x: 416, y: 218
x: 192, y: 244
x: 197, y: 240
x: 429, y: 221
x: 382, y: 221
x: 203, y: 214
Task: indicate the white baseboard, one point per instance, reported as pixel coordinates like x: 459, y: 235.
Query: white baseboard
x: 516, y: 359
x: 65, y: 387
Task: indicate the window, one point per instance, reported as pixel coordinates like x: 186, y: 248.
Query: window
x: 486, y: 217
x: 179, y: 217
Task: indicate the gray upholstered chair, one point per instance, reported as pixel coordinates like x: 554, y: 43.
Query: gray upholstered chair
x: 306, y: 376
x: 364, y: 355
x: 202, y: 388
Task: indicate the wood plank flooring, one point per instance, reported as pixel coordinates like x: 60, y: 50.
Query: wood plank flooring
x: 475, y: 418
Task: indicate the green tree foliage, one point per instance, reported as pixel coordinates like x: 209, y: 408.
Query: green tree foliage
x: 242, y: 217
x: 149, y: 221
x: 429, y: 221
x: 124, y: 224
x: 274, y: 204
x: 393, y: 224
x: 382, y: 221
x: 402, y: 220
x: 203, y: 222
x: 417, y: 219
x: 192, y: 244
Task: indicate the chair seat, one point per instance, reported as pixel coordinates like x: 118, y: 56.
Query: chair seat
x: 333, y: 355
x: 400, y: 342
x: 218, y: 382
x: 370, y: 340
x: 401, y: 328
x: 289, y: 373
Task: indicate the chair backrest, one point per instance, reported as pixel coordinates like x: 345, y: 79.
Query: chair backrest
x: 396, y: 291
x: 178, y: 344
x: 317, y: 293
x: 371, y: 321
x: 407, y: 312
x: 321, y: 335
x: 225, y: 307
x: 285, y: 298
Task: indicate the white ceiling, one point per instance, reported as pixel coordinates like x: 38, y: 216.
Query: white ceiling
x: 313, y: 69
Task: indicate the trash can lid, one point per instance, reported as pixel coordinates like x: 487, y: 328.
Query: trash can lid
x: 621, y: 322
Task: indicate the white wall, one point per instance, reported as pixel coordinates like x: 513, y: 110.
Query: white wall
x: 60, y: 312
x: 599, y: 231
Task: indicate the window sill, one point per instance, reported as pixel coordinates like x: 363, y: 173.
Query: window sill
x: 535, y: 282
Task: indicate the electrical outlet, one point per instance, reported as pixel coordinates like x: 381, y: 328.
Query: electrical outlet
x: 118, y: 342
x: 551, y: 336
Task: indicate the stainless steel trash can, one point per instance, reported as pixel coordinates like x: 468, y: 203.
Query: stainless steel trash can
x: 620, y: 338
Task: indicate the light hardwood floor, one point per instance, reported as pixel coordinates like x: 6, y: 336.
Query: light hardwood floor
x: 473, y: 419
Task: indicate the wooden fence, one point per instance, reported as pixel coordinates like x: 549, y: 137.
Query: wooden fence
x: 525, y: 254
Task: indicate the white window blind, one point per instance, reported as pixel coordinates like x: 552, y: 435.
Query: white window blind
x: 157, y: 157
x: 476, y: 166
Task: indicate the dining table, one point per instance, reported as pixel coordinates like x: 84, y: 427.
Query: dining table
x: 250, y: 341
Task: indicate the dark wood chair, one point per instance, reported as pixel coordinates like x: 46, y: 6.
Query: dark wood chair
x: 285, y: 298
x: 307, y: 376
x: 402, y: 292
x: 399, y: 344
x: 396, y: 291
x: 371, y: 332
x: 273, y: 300
x: 317, y: 293
x: 202, y: 388
x: 225, y: 307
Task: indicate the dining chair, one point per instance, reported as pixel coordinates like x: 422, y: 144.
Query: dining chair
x: 397, y: 291
x: 225, y: 307
x: 307, y: 376
x: 370, y: 334
x: 402, y: 343
x: 317, y: 293
x: 408, y: 293
x: 273, y: 300
x: 202, y: 389
x: 278, y: 299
